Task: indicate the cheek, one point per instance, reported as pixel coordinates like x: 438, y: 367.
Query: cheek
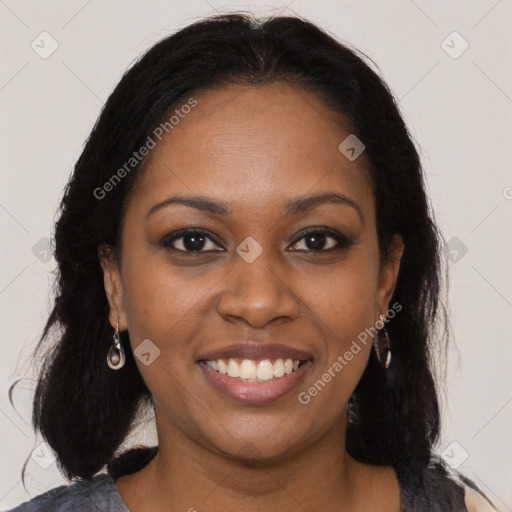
x: 343, y: 298
x: 166, y: 309
x: 167, y: 305
x: 342, y: 309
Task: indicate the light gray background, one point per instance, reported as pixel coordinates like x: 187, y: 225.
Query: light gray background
x: 458, y: 109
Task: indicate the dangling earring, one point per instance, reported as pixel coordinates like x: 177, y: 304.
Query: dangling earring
x: 115, y: 356
x: 384, y: 353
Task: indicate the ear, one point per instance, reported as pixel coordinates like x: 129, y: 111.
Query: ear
x: 388, y: 274
x: 113, y: 287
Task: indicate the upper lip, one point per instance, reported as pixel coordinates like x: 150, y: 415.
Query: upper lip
x: 255, y: 350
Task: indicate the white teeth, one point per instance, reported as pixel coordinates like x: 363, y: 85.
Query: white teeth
x: 247, y: 369
x: 223, y: 367
x: 233, y: 368
x: 278, y: 368
x: 265, y: 370
x: 254, y: 371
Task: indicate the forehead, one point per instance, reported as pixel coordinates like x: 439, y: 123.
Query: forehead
x: 252, y: 145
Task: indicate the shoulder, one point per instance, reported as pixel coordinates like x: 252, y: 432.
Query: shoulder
x: 474, y: 499
x: 477, y: 502
x: 440, y: 487
x: 98, y: 494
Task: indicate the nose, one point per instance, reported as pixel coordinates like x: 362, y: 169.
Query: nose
x: 256, y: 294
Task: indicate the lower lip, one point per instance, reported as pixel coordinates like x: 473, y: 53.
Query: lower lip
x: 255, y: 392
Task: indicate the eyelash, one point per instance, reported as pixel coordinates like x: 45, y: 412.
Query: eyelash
x: 343, y: 242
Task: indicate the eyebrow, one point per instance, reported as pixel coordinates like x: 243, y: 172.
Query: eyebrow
x: 292, y: 207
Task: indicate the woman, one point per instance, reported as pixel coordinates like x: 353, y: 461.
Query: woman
x: 246, y: 246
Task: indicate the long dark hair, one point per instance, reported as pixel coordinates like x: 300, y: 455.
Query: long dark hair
x: 82, y: 408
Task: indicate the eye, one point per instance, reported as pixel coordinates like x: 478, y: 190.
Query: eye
x: 190, y: 240
x: 322, y: 240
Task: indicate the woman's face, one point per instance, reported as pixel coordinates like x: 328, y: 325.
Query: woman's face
x: 253, y: 276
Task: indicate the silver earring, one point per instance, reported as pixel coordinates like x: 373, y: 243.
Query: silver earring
x: 115, y: 356
x: 383, y: 353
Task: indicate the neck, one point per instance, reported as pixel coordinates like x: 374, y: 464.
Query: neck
x: 185, y: 475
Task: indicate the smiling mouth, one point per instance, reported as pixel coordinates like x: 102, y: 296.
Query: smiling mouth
x: 254, y: 370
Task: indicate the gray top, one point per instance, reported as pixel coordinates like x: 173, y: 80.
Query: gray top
x: 99, y: 494
x: 440, y: 489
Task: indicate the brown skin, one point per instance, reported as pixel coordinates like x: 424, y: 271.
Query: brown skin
x: 253, y: 148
